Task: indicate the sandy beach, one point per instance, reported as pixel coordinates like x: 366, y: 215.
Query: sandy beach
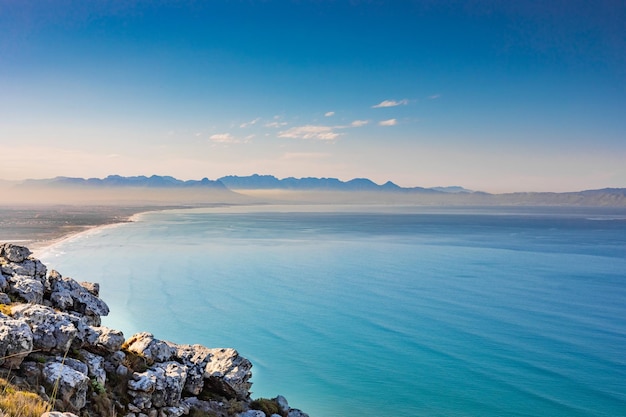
x: 38, y: 227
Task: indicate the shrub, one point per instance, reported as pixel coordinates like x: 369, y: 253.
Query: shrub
x: 269, y: 407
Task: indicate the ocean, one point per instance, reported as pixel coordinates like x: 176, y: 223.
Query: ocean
x: 382, y: 311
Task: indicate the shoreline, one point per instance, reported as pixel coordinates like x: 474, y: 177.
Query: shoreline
x: 42, y: 227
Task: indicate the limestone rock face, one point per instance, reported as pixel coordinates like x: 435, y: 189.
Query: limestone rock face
x: 72, y: 385
x: 109, y: 340
x: 145, y: 345
x: 229, y: 373
x: 14, y: 253
x: 95, y: 366
x: 294, y: 412
x: 253, y: 413
x: 52, y: 331
x: 160, y: 386
x: 67, y: 294
x: 195, y: 358
x: 16, y: 341
x: 27, y: 288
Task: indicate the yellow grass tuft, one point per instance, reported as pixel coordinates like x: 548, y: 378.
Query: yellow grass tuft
x: 17, y: 403
x: 6, y: 309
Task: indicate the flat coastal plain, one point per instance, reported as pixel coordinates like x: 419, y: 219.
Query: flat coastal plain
x: 39, y: 226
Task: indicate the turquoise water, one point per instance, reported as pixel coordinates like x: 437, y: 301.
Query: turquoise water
x: 382, y: 313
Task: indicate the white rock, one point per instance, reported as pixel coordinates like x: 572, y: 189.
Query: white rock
x: 95, y: 366
x: 145, y: 344
x: 294, y: 412
x: 27, y: 288
x: 252, y: 413
x: 16, y: 341
x: 110, y: 340
x: 14, y: 253
x: 282, y: 403
x: 195, y: 358
x: 228, y: 373
x: 72, y: 385
x: 52, y: 331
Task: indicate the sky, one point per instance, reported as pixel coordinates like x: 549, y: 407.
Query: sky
x: 497, y: 96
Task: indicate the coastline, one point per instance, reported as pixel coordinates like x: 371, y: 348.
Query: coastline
x: 42, y: 227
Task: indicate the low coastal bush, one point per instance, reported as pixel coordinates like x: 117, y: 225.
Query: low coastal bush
x: 268, y: 406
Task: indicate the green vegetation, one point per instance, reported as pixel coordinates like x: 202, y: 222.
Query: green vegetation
x: 268, y: 406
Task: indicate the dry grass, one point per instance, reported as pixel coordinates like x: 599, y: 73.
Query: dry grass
x: 6, y: 309
x: 17, y: 403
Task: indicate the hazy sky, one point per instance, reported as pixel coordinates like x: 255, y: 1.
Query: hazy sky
x: 491, y: 95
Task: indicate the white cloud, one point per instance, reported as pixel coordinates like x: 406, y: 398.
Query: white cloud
x: 223, y: 138
x: 329, y: 113
x: 250, y: 123
x: 276, y: 124
x: 390, y: 122
x: 434, y: 96
x: 391, y: 103
x: 310, y: 132
x: 359, y: 123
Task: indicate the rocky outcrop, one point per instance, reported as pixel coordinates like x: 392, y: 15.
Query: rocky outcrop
x: 52, y: 341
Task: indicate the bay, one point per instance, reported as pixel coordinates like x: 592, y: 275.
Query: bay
x: 382, y: 311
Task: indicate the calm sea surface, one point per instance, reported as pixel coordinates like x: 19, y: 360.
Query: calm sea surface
x: 382, y: 312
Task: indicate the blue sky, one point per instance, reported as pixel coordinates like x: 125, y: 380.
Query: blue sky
x: 491, y: 95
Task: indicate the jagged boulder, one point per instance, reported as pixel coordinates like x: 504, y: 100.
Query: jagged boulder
x: 16, y: 341
x: 294, y: 412
x: 95, y: 366
x: 153, y: 350
x: 252, y: 413
x: 160, y: 386
x: 52, y: 331
x: 228, y: 373
x: 108, y: 340
x: 29, y: 267
x: 68, y: 295
x: 195, y: 358
x: 26, y: 288
x: 14, y: 253
x: 70, y: 385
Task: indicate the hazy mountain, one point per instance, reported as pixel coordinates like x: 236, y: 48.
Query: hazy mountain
x: 359, y: 190
x: 270, y: 182
x: 155, y: 181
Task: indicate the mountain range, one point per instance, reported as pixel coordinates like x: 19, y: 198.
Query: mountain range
x: 233, y: 182
x: 387, y: 192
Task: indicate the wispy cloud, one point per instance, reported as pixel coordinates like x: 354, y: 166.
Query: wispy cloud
x: 390, y: 122
x: 310, y: 132
x: 276, y: 124
x: 434, y: 96
x: 250, y: 123
x: 329, y: 113
x: 359, y: 123
x: 223, y: 138
x: 391, y: 103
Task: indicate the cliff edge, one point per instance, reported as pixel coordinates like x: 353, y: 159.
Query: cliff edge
x: 52, y: 343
